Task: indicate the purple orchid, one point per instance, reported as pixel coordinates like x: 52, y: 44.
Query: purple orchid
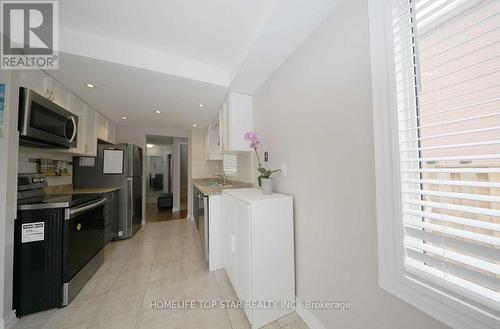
x: 255, y: 140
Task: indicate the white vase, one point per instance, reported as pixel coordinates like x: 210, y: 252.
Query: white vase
x: 267, y: 186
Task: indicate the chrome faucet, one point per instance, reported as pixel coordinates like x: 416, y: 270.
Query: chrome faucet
x: 223, y: 176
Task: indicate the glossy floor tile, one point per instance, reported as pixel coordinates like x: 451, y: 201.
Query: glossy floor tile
x: 163, y: 262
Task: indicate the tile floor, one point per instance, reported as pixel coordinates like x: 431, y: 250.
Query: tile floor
x: 162, y: 262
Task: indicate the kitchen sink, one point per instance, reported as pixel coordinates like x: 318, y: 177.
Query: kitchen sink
x: 214, y: 184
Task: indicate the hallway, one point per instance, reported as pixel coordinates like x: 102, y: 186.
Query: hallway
x: 162, y: 262
x: 155, y: 214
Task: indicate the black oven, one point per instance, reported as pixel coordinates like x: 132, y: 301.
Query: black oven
x: 58, y: 244
x: 43, y: 123
x: 83, y: 238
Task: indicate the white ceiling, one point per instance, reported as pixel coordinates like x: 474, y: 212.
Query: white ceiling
x: 216, y: 32
x: 173, y: 55
x: 137, y: 93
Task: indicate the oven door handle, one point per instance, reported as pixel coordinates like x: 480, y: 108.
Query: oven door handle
x: 70, y: 213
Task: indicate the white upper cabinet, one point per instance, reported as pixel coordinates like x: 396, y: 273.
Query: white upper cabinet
x: 106, y: 129
x: 235, y: 119
x: 77, y: 107
x: 102, y: 127
x: 87, y: 136
x: 213, y: 145
x: 111, y: 132
x: 88, y: 118
x: 58, y: 94
x: 90, y: 144
x: 36, y: 80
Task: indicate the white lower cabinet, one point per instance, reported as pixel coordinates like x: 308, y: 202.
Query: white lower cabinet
x: 258, y: 249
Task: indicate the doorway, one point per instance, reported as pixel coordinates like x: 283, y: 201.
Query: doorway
x: 166, y: 178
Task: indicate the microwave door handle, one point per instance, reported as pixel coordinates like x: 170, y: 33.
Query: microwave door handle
x: 74, y: 130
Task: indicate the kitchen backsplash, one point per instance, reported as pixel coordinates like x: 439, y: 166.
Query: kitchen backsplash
x: 25, y: 166
x: 245, y: 172
x: 205, y: 169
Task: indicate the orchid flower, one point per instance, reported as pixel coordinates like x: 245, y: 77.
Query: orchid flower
x: 255, y: 140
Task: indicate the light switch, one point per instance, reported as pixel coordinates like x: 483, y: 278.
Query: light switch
x: 284, y: 170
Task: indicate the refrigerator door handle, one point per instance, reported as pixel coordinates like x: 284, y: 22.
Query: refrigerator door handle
x: 130, y: 199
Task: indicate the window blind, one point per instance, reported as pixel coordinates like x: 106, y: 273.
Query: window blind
x: 447, y: 73
x: 230, y: 164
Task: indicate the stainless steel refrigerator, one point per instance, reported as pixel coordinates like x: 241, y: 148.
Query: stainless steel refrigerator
x: 115, y: 166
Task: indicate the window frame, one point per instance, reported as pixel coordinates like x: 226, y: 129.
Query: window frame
x: 425, y: 297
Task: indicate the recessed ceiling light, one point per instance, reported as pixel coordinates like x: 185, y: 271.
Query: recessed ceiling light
x: 149, y: 146
x: 124, y: 118
x: 89, y: 85
x: 195, y: 126
x: 157, y: 111
x: 201, y: 105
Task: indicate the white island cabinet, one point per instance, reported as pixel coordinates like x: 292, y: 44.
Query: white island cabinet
x: 258, y: 248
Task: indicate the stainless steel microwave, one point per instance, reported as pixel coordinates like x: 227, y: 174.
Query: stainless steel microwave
x: 43, y: 123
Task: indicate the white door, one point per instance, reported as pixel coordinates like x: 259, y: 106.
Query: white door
x: 229, y: 238
x: 243, y: 254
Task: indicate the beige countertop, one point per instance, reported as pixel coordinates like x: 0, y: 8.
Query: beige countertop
x: 210, y: 186
x: 96, y: 190
x: 68, y: 189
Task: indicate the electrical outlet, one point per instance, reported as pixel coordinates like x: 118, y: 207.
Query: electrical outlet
x: 266, y: 156
x: 284, y: 169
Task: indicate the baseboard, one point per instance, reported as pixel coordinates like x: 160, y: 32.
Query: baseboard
x: 9, y: 321
x: 306, y: 315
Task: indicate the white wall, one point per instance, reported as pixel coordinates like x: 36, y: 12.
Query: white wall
x: 246, y: 171
x: 8, y: 194
x: 176, y: 173
x: 202, y: 168
x: 326, y: 141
